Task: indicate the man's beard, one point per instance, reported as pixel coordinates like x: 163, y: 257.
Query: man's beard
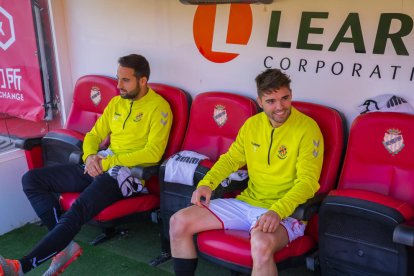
x: 131, y: 94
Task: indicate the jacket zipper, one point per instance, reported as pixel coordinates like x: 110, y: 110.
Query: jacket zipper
x: 130, y: 110
x: 270, y: 147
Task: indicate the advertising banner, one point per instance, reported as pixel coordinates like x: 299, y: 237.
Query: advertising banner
x: 21, y: 90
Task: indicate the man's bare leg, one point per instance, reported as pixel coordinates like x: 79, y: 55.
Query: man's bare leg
x: 183, y: 225
x: 263, y: 246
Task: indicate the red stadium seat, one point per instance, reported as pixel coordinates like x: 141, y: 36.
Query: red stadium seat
x: 91, y: 95
x: 141, y: 206
x: 231, y: 248
x: 215, y: 119
x: 366, y: 225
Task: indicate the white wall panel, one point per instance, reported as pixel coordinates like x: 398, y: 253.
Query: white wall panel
x: 99, y: 31
x: 15, y: 209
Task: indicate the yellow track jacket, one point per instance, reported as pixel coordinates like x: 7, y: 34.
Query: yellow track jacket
x: 284, y: 163
x: 138, y: 131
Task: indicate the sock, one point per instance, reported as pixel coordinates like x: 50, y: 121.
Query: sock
x: 185, y: 267
x: 25, y: 265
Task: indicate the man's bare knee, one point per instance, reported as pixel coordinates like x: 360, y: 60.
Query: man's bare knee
x: 261, y: 246
x: 192, y: 220
x: 178, y: 225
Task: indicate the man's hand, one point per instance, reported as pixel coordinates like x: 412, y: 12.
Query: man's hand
x: 199, y: 193
x: 268, y: 222
x: 93, y: 165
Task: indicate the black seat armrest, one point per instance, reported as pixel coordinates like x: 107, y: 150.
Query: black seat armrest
x: 306, y: 210
x: 404, y: 234
x: 199, y: 172
x: 58, y: 147
x: 145, y: 171
x: 233, y: 189
x: 62, y: 139
x: 27, y: 143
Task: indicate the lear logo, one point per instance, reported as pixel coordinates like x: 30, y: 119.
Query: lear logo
x: 7, y: 36
x: 208, y: 29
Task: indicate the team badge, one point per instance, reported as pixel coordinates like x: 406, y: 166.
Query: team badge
x: 255, y: 146
x: 393, y: 141
x: 116, y: 116
x: 138, y: 117
x: 282, y: 152
x: 220, y: 115
x: 95, y: 95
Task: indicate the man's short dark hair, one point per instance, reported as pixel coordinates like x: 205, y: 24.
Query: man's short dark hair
x: 136, y: 62
x: 270, y: 80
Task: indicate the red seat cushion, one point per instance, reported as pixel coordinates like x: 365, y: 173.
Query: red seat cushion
x: 233, y: 246
x: 128, y: 206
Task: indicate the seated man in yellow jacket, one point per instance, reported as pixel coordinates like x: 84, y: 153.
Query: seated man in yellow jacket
x: 138, y: 122
x: 283, y: 151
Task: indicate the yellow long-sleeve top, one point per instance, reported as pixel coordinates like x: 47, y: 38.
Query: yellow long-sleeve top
x: 138, y: 131
x: 284, y: 163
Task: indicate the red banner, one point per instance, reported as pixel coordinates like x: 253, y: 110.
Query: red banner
x: 21, y: 90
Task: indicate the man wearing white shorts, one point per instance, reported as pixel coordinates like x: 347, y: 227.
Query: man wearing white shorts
x: 283, y: 151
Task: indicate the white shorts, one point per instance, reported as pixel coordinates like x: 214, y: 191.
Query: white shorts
x: 239, y: 215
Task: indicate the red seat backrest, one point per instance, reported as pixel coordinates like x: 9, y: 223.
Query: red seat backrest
x: 379, y: 155
x: 180, y: 106
x: 215, y: 119
x: 91, y: 95
x: 332, y: 126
